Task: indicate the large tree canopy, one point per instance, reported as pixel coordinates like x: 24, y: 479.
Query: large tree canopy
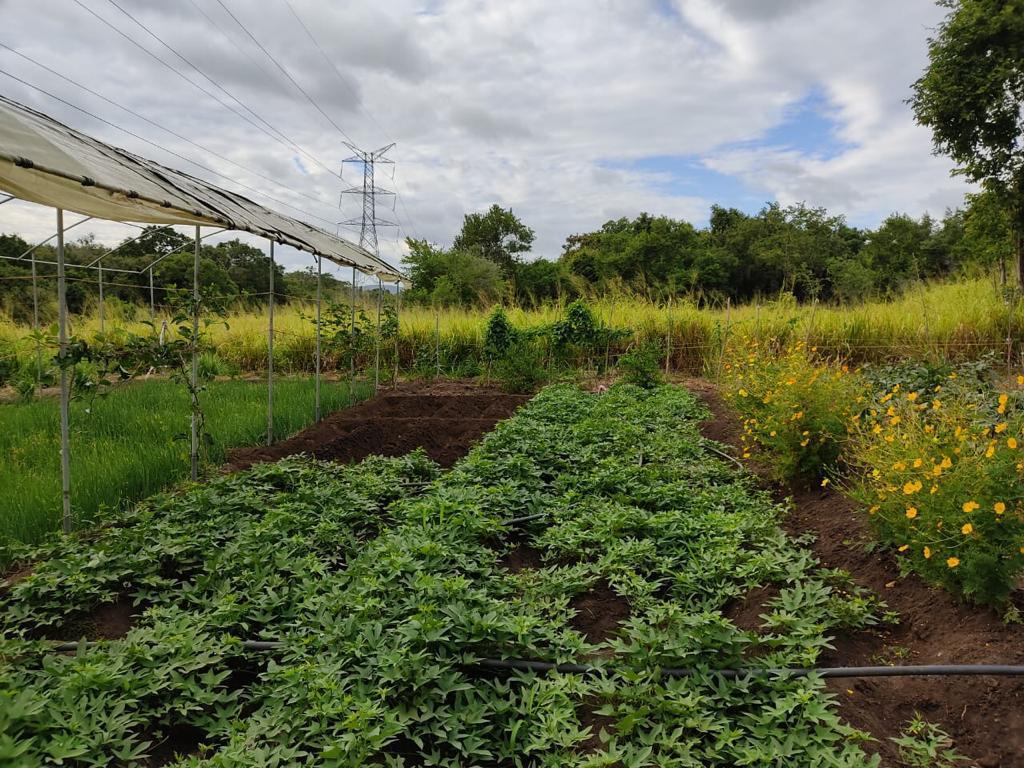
x: 972, y: 95
x: 497, y: 236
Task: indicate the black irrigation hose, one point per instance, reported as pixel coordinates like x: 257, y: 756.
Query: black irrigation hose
x: 931, y: 670
x: 526, y: 665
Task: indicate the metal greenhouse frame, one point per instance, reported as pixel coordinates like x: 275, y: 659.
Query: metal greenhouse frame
x: 43, y: 161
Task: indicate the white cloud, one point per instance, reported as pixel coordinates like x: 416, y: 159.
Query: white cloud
x: 535, y: 105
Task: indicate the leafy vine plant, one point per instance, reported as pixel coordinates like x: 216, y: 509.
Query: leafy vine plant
x: 165, y: 349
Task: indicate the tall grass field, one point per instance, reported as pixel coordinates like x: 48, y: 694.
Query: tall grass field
x: 133, y: 442
x: 960, y: 320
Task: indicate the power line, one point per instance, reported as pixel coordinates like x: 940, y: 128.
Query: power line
x: 284, y: 71
x: 190, y: 63
x: 158, y: 146
x: 345, y: 82
x: 163, y: 127
x: 285, y: 141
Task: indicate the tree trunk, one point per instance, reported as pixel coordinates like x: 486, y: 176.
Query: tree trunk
x: 1018, y: 246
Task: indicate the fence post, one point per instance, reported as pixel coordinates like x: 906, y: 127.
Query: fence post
x: 316, y: 377
x: 352, y: 335
x: 35, y: 323
x: 99, y: 273
x: 376, y: 362
x: 194, y: 449
x: 398, y: 327
x: 270, y: 353
x: 65, y: 391
x: 437, y: 340
x: 668, y: 338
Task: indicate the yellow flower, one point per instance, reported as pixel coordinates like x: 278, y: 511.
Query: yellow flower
x: 873, y: 510
x: 990, y: 451
x: 999, y: 507
x: 1011, y: 443
x: 1001, y: 427
x: 899, y: 466
x: 946, y: 462
x: 952, y: 562
x: 904, y: 548
x: 1020, y: 379
x: 927, y: 552
x: 824, y: 482
x: 742, y: 392
x: 936, y: 404
x: 876, y: 429
x: 797, y: 416
x: 917, y: 463
x: 911, y: 513
x: 772, y: 433
x: 970, y: 506
x: 912, y: 396
x: 911, y: 487
x: 895, y: 420
x: 967, y: 530
x: 803, y: 443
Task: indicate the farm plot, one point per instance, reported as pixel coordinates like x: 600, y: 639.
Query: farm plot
x: 387, y: 583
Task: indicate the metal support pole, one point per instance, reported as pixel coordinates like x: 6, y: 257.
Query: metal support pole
x: 65, y: 389
x: 194, y: 452
x: 152, y: 297
x: 668, y: 338
x: 35, y: 323
x: 398, y: 310
x: 437, y: 340
x: 316, y: 376
x: 99, y: 273
x: 270, y: 353
x: 352, y: 332
x: 376, y: 362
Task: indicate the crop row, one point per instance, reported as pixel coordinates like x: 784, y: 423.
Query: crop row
x: 386, y: 582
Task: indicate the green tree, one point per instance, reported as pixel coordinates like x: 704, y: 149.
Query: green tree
x: 972, y: 97
x: 497, y: 235
x: 450, y: 277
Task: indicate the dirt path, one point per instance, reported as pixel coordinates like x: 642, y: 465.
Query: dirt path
x: 984, y: 715
x: 443, y: 417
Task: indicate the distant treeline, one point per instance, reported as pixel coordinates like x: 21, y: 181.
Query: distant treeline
x: 803, y: 251
x: 232, y: 269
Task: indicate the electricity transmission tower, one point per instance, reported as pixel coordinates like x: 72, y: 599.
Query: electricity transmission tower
x: 368, y: 221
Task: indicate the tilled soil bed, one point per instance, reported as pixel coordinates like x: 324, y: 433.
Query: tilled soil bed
x: 983, y: 715
x: 444, y: 418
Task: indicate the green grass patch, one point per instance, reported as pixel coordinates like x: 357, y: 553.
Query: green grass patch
x: 133, y: 442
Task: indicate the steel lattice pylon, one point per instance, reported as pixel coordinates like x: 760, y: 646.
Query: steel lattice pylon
x: 368, y: 220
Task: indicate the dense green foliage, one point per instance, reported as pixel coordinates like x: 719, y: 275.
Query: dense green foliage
x: 233, y: 269
x: 798, y: 250
x: 133, y: 442
x: 972, y: 97
x: 384, y: 597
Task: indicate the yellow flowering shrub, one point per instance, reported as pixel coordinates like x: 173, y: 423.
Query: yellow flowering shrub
x: 796, y: 409
x: 941, y: 473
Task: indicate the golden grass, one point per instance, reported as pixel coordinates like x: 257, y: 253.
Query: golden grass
x: 939, y: 321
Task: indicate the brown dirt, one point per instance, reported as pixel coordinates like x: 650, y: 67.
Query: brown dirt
x: 522, y: 558
x: 599, y: 613
x: 984, y: 715
x: 443, y: 417
x: 108, y: 621
x: 178, y: 741
x: 746, y: 612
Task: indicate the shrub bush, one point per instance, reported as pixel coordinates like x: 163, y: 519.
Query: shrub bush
x: 940, y: 472
x: 521, y: 369
x: 796, y: 409
x: 641, y: 365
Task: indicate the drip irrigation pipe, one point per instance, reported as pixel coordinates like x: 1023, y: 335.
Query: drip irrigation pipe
x: 525, y: 665
x: 930, y: 670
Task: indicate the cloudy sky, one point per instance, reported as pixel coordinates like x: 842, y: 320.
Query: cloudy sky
x: 572, y: 113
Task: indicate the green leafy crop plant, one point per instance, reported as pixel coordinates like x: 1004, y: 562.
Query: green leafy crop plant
x: 385, y: 581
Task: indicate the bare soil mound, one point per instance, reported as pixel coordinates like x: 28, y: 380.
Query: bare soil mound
x: 444, y: 418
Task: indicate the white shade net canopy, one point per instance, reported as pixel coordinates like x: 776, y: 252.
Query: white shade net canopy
x: 44, y: 161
